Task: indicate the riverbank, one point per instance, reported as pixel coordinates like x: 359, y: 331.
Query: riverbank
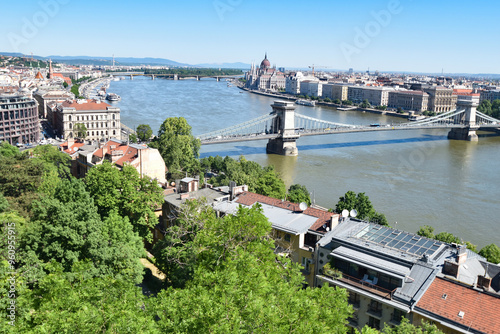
x: 328, y: 104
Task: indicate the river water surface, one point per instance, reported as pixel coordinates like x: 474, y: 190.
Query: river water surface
x: 414, y: 177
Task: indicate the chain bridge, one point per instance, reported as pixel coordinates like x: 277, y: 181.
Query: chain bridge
x: 283, y: 126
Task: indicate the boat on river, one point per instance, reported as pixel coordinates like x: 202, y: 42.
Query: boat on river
x: 113, y: 97
x: 306, y: 103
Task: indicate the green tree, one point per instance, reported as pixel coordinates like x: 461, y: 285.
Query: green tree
x: 495, y: 109
x: 426, y: 231
x: 298, y: 193
x: 447, y: 237
x: 67, y: 228
x: 65, y: 84
x: 178, y: 147
x: 81, y: 130
x: 51, y: 156
x: 347, y: 102
x: 240, y: 285
x: 4, y: 204
x: 8, y: 150
x: 485, y: 107
x: 271, y: 185
x: 70, y: 302
x: 365, y: 104
x: 337, y: 101
x: 144, y: 132
x: 128, y: 193
x: 362, y: 204
x: 133, y: 138
x: 491, y: 252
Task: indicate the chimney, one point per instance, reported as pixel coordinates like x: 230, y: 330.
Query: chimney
x: 462, y: 254
x: 483, y: 282
x: 451, y: 268
x: 184, y: 196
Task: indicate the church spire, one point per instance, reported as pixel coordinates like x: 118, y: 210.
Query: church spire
x: 51, y: 72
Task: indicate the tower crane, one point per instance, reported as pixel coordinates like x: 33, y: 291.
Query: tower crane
x: 317, y: 66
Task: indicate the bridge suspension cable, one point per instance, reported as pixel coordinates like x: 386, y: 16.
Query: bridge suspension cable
x: 255, y: 126
x: 302, y: 121
x: 486, y: 118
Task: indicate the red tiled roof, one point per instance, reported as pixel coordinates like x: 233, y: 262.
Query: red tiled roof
x: 71, y: 149
x: 480, y: 309
x: 90, y: 105
x: 249, y: 198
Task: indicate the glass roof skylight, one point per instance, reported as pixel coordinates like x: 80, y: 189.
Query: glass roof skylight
x: 400, y: 240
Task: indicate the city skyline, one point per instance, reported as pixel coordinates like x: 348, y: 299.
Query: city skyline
x: 394, y: 35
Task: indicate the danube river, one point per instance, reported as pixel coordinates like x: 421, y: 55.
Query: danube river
x: 414, y: 177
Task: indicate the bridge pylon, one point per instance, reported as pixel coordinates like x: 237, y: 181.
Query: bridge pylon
x: 284, y: 125
x: 469, y: 131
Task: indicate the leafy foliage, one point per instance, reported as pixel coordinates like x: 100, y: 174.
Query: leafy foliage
x: 144, y: 132
x: 128, y: 193
x: 491, y: 252
x: 428, y: 232
x: 73, y: 303
x: 298, y: 193
x: 80, y: 130
x: 133, y: 138
x: 262, y: 180
x: 8, y: 150
x: 239, y: 285
x: 178, y: 147
x: 68, y: 229
x: 361, y: 203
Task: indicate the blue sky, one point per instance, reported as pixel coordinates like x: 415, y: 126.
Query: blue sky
x: 388, y: 35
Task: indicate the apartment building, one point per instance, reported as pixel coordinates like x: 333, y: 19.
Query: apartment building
x: 409, y: 100
x: 389, y: 274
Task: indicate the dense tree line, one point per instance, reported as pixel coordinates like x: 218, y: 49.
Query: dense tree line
x: 489, y: 108
x: 364, y: 207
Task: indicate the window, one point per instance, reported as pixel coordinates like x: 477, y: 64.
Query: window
x: 374, y: 323
x: 375, y: 308
x: 397, y: 315
x: 287, y: 237
x: 354, y: 299
x: 305, y: 263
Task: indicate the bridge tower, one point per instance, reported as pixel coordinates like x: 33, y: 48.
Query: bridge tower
x: 284, y: 126
x: 469, y: 131
x: 197, y: 78
x: 153, y: 76
x: 131, y: 77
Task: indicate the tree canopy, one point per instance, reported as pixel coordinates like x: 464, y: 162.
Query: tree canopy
x: 178, y: 147
x: 261, y: 180
x: 80, y: 130
x: 67, y: 228
x: 239, y: 285
x: 361, y: 203
x: 126, y: 192
x: 144, y: 132
x: 491, y: 252
x: 298, y: 193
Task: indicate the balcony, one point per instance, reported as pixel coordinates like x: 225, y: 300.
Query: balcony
x: 360, y: 283
x: 354, y: 302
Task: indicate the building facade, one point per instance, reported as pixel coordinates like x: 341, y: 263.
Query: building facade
x: 335, y: 91
x: 409, y: 100
x: 441, y: 99
x: 44, y: 97
x: 265, y: 77
x: 19, y: 122
x: 391, y: 274
x: 101, y: 119
x: 490, y: 95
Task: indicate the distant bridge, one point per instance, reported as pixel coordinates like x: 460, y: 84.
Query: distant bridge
x: 283, y: 126
x: 174, y: 76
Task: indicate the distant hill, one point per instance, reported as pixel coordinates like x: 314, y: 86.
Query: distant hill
x: 118, y: 60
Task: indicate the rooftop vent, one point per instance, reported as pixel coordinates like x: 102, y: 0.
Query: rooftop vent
x: 461, y: 314
x: 483, y: 282
x: 444, y: 296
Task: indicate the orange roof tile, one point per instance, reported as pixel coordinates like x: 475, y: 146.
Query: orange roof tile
x: 480, y: 310
x: 249, y: 198
x: 90, y: 105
